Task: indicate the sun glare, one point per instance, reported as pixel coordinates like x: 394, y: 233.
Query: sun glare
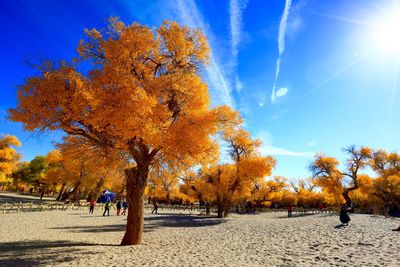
x: 387, y: 33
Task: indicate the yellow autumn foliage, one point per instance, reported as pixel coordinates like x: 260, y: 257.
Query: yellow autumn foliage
x: 8, y: 157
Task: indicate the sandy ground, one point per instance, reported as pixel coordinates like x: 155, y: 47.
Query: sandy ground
x: 75, y: 238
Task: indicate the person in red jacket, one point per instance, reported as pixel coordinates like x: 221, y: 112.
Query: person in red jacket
x: 91, y: 206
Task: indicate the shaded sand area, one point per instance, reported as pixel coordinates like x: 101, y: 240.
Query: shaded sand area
x: 16, y: 198
x: 77, y: 239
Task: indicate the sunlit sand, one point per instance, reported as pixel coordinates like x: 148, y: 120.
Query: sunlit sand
x: 171, y: 239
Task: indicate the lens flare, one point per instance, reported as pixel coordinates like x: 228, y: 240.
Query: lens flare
x: 388, y: 33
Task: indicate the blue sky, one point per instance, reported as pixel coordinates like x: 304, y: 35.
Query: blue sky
x: 337, y: 82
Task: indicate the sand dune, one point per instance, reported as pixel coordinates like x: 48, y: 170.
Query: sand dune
x: 77, y: 239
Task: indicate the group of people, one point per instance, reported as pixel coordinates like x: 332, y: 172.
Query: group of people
x: 119, y: 205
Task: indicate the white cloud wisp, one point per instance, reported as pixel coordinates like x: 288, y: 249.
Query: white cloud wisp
x: 281, y: 45
x: 267, y: 147
x: 236, y: 8
x: 189, y: 14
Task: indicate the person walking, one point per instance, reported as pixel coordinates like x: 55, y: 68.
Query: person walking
x: 92, y: 203
x: 124, y: 207
x: 119, y: 206
x: 155, y: 205
x: 107, y: 208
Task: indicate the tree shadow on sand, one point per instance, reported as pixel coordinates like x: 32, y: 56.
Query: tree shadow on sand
x: 151, y: 223
x: 41, y: 252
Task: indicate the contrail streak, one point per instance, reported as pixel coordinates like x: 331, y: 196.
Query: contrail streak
x: 281, y: 44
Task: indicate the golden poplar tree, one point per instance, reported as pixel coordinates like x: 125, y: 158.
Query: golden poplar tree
x: 8, y: 156
x: 144, y: 96
x: 164, y: 186
x: 269, y: 191
x: 331, y: 178
x: 387, y: 185
x: 86, y: 170
x: 230, y: 183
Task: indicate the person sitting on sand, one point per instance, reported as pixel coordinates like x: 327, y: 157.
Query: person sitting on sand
x: 119, y: 206
x: 91, y: 206
x: 107, y: 208
x: 125, y: 207
x: 344, y: 217
x: 155, y: 205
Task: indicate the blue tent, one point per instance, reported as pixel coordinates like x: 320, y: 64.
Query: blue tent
x: 107, y: 195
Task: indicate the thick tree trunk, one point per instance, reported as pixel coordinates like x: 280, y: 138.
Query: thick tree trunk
x: 76, y: 196
x: 395, y: 202
x: 207, y: 209
x: 71, y: 195
x: 95, y: 192
x: 135, y: 185
x: 220, y: 210
x: 226, y: 210
x: 61, y: 192
x: 223, y: 210
x: 347, y: 198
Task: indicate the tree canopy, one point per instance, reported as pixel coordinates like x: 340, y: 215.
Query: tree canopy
x: 142, y: 96
x: 9, y: 157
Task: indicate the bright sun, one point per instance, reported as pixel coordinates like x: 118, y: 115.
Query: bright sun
x: 388, y: 33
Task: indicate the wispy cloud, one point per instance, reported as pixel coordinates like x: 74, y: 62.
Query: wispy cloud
x: 267, y: 148
x: 278, y: 151
x: 281, y: 44
x: 238, y: 84
x: 189, y: 14
x: 281, y: 92
x: 236, y: 8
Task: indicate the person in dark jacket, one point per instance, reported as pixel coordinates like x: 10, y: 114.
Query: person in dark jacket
x: 155, y: 205
x: 344, y: 217
x: 119, y: 206
x: 107, y: 209
x: 124, y: 207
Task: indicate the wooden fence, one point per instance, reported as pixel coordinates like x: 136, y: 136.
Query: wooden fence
x: 17, y: 207
x: 45, y: 206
